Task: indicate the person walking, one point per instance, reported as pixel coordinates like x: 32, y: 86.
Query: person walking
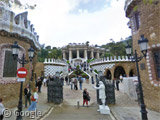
x: 75, y: 84
x: 92, y: 80
x: 86, y: 97
x: 71, y: 83
x: 117, y: 85
x: 39, y: 84
x: 27, y: 95
x: 2, y: 108
x: 34, y: 99
x: 44, y: 81
x: 66, y: 79
x: 80, y: 82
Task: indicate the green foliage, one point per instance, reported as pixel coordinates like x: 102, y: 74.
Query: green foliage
x: 72, y: 75
x: 49, y: 53
x: 68, y: 61
x: 90, y: 60
x: 84, y: 75
x: 77, y: 67
x: 117, y: 48
x: 135, y: 8
x: 79, y: 73
x: 96, y: 71
x: 42, y: 55
x: 150, y: 1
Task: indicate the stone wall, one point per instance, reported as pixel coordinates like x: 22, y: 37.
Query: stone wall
x: 104, y: 66
x: 39, y: 69
x: 150, y: 27
x: 9, y: 88
x: 128, y: 86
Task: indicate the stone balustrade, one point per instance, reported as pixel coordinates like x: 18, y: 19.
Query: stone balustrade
x: 55, y: 62
x: 111, y: 60
x: 17, y: 24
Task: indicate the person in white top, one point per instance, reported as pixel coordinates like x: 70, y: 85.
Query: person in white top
x: 44, y: 81
x: 34, y: 100
x: 2, y: 108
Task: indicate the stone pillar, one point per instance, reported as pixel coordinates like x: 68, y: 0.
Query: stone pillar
x: 92, y: 53
x: 70, y: 55
x: 97, y: 56
x: 85, y: 54
x: 64, y: 55
x: 77, y: 53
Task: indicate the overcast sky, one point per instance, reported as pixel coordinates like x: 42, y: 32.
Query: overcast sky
x: 59, y: 22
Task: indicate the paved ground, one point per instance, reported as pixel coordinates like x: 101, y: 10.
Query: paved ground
x: 69, y: 110
x: 125, y: 108
x: 73, y: 113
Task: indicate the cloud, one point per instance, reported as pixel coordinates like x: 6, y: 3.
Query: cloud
x: 89, y: 5
x: 57, y: 26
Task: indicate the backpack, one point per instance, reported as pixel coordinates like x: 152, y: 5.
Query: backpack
x: 88, y: 97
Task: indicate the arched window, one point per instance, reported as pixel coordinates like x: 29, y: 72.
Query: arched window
x: 10, y: 65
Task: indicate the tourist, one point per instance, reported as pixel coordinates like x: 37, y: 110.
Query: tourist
x: 27, y: 95
x: 44, y: 81
x: 117, y: 85
x: 39, y: 84
x: 86, y: 97
x: 80, y: 82
x: 2, y: 108
x: 121, y: 77
x: 71, y: 83
x: 92, y: 80
x: 75, y: 84
x: 66, y: 79
x: 34, y: 99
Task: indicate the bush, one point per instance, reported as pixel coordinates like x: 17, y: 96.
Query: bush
x: 84, y: 75
x: 72, y: 75
x: 68, y: 61
x: 96, y: 71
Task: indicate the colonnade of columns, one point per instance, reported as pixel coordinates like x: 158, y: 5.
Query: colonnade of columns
x: 78, y: 54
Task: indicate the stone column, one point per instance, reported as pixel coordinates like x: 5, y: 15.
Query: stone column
x: 92, y: 53
x: 70, y: 55
x: 97, y: 56
x: 85, y: 54
x: 77, y: 53
x: 64, y: 55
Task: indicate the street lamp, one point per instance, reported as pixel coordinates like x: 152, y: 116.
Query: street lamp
x: 143, y: 43
x: 23, y: 61
x: 31, y: 53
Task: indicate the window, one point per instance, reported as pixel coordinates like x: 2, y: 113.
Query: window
x: 157, y: 62
x: 10, y: 65
x: 137, y: 20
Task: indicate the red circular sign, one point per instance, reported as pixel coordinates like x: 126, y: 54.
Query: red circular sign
x: 22, y: 72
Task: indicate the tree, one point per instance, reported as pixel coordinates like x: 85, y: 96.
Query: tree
x: 117, y: 48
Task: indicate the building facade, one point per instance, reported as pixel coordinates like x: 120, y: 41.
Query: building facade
x: 145, y: 20
x: 78, y: 53
x: 14, y: 28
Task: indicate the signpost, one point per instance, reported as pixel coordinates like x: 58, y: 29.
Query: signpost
x: 21, y: 73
